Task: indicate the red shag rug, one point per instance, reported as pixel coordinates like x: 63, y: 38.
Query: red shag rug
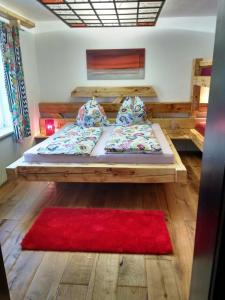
x: 99, y: 230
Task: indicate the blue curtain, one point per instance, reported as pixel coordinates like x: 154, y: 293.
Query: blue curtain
x: 14, y: 79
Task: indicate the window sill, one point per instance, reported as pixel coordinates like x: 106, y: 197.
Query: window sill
x: 4, y: 132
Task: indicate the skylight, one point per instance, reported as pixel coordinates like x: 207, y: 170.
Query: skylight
x: 105, y: 13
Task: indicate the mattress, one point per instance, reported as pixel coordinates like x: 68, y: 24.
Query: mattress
x: 133, y: 139
x: 98, y: 154
x: 73, y: 140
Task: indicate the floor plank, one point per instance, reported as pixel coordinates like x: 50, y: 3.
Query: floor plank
x: 11, y: 209
x: 161, y: 279
x: 132, y: 271
x: 106, y: 276
x: 23, y: 272
x: 6, y: 228
x: 183, y: 252
x: 78, y: 269
x: 132, y: 293
x: 71, y: 292
x: 11, y: 249
x: 47, y: 278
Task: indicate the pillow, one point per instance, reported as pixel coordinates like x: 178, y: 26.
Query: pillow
x: 139, y: 112
x: 91, y: 114
x: 131, y: 112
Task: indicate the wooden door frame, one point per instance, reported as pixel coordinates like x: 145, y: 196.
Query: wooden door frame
x: 208, y: 265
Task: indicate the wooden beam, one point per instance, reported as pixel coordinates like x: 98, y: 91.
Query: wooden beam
x: 202, y: 81
x: 196, y: 69
x: 10, y: 15
x: 206, y: 63
x: 197, y: 139
x: 174, y: 123
x: 196, y: 92
x: 199, y: 81
x: 155, y: 107
x: 179, y: 134
x: 15, y: 23
x: 203, y: 107
x: 87, y: 91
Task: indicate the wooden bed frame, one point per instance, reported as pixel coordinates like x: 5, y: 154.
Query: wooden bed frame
x: 173, y: 126
x: 93, y: 172
x: 197, y: 139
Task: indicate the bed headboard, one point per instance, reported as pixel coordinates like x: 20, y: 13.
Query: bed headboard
x: 169, y: 115
x: 117, y: 93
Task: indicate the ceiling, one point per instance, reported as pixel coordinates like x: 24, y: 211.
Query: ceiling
x: 189, y: 8
x: 31, y: 9
x: 173, y: 8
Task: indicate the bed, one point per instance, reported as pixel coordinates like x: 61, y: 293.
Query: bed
x: 164, y: 167
x: 99, y: 155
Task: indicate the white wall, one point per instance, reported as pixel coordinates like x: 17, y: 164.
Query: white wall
x: 170, y: 49
x: 9, y: 150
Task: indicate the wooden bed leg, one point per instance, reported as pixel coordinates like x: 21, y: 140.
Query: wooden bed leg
x: 11, y: 170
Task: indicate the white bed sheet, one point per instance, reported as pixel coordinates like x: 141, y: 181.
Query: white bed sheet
x: 98, y: 154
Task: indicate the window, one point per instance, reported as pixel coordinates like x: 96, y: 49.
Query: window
x: 5, y: 115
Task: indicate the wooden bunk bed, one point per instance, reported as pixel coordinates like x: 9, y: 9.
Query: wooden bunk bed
x: 201, y: 79
x: 133, y: 173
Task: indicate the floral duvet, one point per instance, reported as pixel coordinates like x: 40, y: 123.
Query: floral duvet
x: 73, y: 140
x: 133, y: 139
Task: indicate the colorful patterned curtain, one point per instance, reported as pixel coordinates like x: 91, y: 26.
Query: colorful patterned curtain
x: 14, y: 78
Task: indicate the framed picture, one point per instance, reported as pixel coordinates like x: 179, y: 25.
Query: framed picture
x: 115, y: 64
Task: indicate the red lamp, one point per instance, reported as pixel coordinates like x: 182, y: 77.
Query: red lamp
x: 49, y: 126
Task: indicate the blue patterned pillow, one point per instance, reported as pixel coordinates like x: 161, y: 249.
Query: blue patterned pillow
x: 131, y: 112
x: 92, y: 114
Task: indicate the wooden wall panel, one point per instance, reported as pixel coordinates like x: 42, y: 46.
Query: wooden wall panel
x: 142, y: 91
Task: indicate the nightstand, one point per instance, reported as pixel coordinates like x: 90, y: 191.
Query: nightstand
x: 40, y: 138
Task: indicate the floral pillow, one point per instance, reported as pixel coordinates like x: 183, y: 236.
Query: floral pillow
x: 92, y: 114
x: 139, y: 113
x: 131, y: 112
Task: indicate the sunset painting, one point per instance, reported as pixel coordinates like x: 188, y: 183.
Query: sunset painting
x: 115, y: 64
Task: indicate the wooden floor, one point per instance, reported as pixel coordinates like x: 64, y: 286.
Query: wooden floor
x: 65, y: 276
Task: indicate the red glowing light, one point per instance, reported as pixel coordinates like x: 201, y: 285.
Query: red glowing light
x: 49, y: 127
